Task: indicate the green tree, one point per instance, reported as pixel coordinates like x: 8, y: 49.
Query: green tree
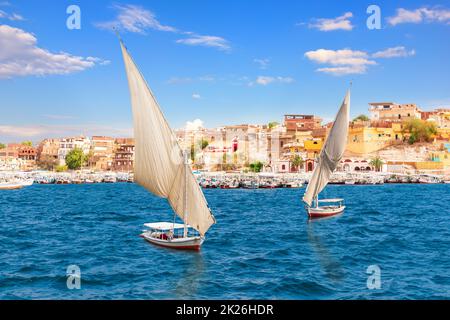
x: 204, y: 144
x: 419, y: 130
x: 27, y: 143
x: 75, y: 159
x: 256, y: 166
x: 297, y: 162
x: 61, y: 168
x: 377, y: 163
x: 272, y: 124
x: 2, y: 145
x: 361, y: 117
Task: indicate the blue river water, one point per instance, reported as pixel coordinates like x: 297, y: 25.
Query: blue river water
x: 262, y: 247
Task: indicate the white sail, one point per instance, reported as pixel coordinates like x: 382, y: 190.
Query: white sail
x: 331, y: 153
x: 159, y: 164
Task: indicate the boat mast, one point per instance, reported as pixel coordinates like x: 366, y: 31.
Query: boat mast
x: 186, y: 167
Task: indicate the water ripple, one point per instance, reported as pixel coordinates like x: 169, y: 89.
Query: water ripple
x: 262, y: 247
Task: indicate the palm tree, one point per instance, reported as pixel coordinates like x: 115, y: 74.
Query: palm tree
x: 377, y: 163
x: 297, y: 162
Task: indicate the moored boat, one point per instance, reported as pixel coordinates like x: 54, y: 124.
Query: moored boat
x: 27, y: 183
x: 10, y: 186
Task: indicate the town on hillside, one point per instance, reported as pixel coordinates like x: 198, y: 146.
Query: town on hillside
x: 392, y: 138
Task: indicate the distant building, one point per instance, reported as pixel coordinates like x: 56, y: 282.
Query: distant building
x: 68, y: 144
x: 102, y: 150
x: 439, y: 116
x: 354, y: 165
x: 393, y: 112
x: 18, y: 157
x: 301, y: 122
x: 364, y: 140
x: 123, y: 155
x: 48, y: 148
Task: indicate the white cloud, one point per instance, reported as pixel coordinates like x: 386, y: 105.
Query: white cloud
x: 194, y: 125
x: 394, y: 52
x: 345, y: 70
x: 184, y: 80
x: 21, y: 131
x: 134, y: 18
x: 340, y: 23
x: 37, y: 132
x: 347, y: 61
x: 207, y: 78
x: 206, y: 41
x: 59, y: 117
x: 179, y: 80
x: 196, y: 96
x: 339, y: 57
x: 344, y: 61
x: 420, y: 15
x: 263, y: 63
x: 20, y: 56
x: 265, y: 80
x: 12, y: 16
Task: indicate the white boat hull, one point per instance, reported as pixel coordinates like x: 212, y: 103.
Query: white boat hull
x: 10, y: 186
x: 326, y: 211
x: 188, y: 243
x: 27, y: 183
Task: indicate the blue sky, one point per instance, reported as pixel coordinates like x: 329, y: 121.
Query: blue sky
x: 224, y: 62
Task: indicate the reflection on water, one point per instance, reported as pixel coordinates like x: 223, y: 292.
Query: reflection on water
x: 188, y: 284
x: 331, y: 266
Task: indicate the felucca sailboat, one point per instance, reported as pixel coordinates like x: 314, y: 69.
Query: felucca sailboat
x: 162, y: 167
x: 329, y: 158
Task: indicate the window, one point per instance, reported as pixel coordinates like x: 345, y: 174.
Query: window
x: 283, y: 167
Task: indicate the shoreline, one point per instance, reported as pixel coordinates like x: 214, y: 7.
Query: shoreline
x: 226, y: 180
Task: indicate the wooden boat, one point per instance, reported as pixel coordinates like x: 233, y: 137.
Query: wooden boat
x: 10, y: 186
x: 27, y: 183
x: 168, y: 234
x: 330, y: 156
x: 327, y: 210
x: 250, y: 184
x: 162, y: 167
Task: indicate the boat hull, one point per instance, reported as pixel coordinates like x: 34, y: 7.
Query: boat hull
x: 10, y: 186
x: 190, y: 243
x: 327, y: 211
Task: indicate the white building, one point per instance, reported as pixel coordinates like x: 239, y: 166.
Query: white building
x: 68, y: 144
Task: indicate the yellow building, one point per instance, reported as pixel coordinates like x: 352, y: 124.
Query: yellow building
x: 313, y: 147
x: 364, y: 140
x: 393, y: 112
x: 441, y: 157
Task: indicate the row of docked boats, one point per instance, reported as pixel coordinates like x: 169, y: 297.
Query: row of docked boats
x: 256, y: 183
x: 47, y: 177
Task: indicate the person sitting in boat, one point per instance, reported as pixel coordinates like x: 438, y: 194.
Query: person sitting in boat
x: 169, y: 234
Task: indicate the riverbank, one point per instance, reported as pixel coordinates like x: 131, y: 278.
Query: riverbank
x: 225, y: 180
